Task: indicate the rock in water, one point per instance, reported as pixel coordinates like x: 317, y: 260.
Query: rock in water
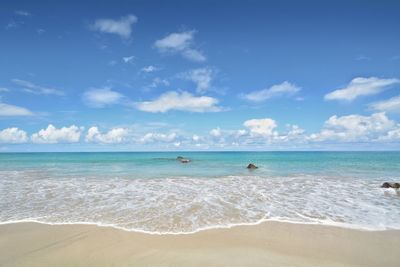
x: 251, y: 166
x: 182, y: 159
x: 390, y: 185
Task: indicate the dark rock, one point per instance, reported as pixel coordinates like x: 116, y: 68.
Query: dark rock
x: 390, y: 185
x: 252, y: 166
x: 182, y: 159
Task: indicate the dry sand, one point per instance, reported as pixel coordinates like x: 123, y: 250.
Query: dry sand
x: 268, y: 244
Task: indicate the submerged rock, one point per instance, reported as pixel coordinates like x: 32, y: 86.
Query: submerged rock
x: 390, y: 185
x: 252, y: 166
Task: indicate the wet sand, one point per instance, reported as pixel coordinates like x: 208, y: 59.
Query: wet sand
x: 267, y: 244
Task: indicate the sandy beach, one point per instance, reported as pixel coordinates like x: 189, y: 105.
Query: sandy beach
x: 267, y: 244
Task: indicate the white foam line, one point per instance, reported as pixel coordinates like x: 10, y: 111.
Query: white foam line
x: 212, y: 227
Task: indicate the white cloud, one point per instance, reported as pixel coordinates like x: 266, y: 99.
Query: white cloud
x: 295, y: 133
x: 11, y: 25
x: 183, y: 101
x: 149, y: 69
x: 157, y: 82
x: 240, y: 133
x: 99, y: 98
x: 3, y: 89
x: 7, y: 110
x: 361, y: 87
x: 392, y: 135
x: 175, y: 41
x: 215, y: 132
x: 180, y: 43
x: 194, y: 55
x: 389, y: 105
x: 362, y: 57
x: 295, y: 130
x: 201, y: 77
x: 52, y: 135
x: 128, y: 59
x: 114, y: 136
x: 283, y: 89
x: 121, y: 27
x: 354, y: 127
x: 261, y: 127
x: 158, y: 137
x: 13, y: 136
x: 196, y: 138
x: 22, y: 13
x: 37, y: 89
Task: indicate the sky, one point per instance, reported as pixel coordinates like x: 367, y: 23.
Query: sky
x: 199, y: 75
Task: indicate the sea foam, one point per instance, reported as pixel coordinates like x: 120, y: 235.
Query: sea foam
x: 179, y: 205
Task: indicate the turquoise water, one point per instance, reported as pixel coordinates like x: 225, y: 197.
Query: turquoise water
x: 206, y: 164
x: 153, y: 192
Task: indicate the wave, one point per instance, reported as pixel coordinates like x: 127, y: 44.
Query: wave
x: 185, y: 205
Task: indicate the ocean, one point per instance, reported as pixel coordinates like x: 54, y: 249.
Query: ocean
x: 152, y: 192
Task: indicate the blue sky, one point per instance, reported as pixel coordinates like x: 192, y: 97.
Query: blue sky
x: 199, y: 75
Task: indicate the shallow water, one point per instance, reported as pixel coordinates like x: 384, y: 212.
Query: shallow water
x: 152, y: 192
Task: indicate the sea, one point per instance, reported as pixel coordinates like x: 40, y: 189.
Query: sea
x: 153, y: 192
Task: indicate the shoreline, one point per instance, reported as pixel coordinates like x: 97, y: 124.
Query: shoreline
x: 204, y: 229
x: 265, y: 244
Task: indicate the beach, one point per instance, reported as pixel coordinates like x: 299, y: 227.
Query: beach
x: 267, y: 244
x: 148, y: 209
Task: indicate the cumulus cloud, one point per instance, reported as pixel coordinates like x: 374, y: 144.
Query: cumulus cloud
x: 201, y: 77
x: 175, y: 41
x: 158, y: 137
x: 216, y: 132
x: 193, y: 55
x: 376, y: 128
x: 283, y: 89
x: 181, y: 43
x: 7, y: 110
x: 37, y: 89
x: 392, y: 135
x: 261, y: 127
x: 100, y: 98
x: 361, y: 87
x: 121, y: 27
x: 389, y: 105
x: 354, y: 127
x: 13, y: 136
x: 114, y: 136
x: 294, y: 134
x: 182, y: 101
x: 240, y: 133
x: 52, y: 135
x: 196, y: 138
